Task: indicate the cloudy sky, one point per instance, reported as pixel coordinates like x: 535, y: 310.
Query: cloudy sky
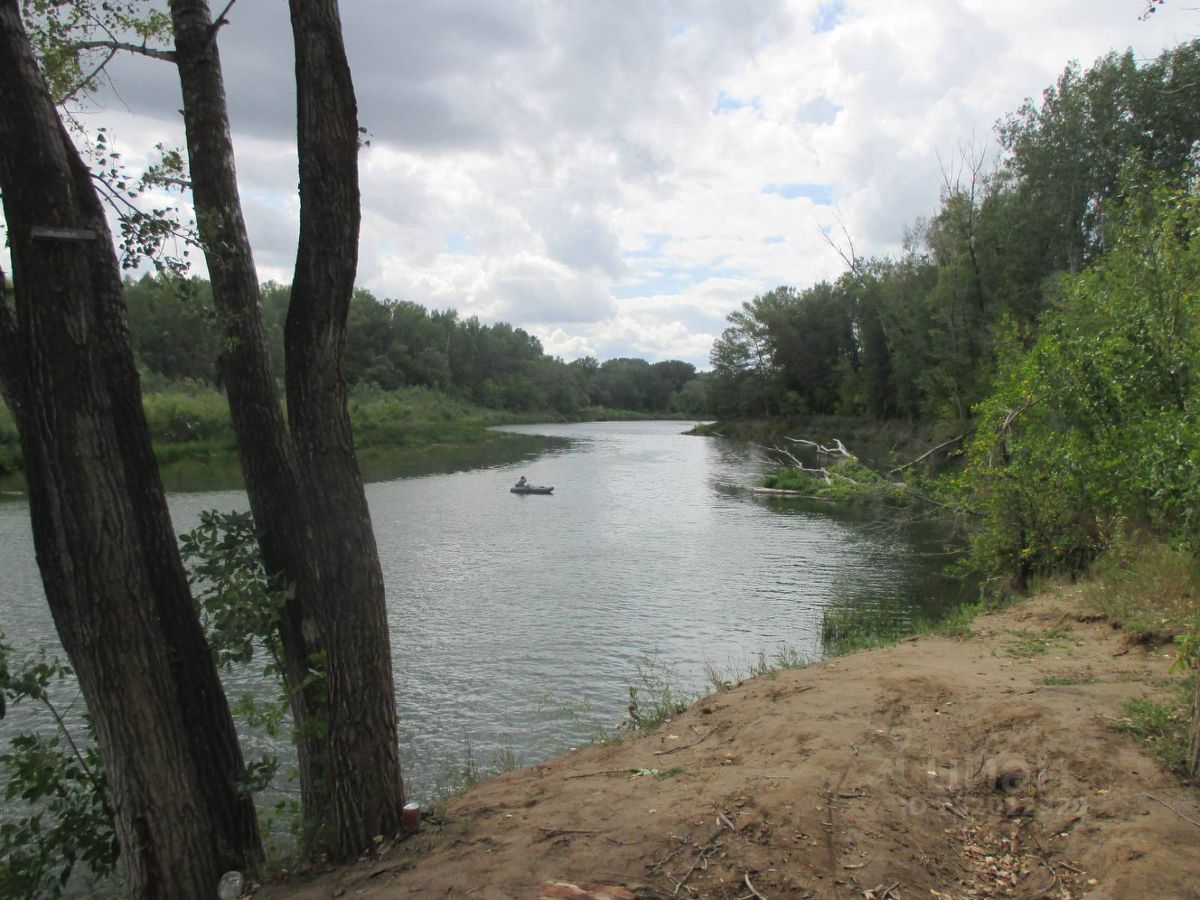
x: 616, y: 176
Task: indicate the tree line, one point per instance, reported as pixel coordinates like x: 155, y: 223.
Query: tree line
x: 920, y: 334
x: 393, y: 344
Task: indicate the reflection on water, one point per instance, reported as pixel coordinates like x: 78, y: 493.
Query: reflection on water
x: 504, y: 609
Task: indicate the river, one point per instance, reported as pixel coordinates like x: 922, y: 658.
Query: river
x: 519, y: 623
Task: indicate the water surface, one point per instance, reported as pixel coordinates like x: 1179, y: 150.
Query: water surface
x: 506, y: 610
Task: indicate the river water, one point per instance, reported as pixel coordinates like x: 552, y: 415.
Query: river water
x: 518, y: 623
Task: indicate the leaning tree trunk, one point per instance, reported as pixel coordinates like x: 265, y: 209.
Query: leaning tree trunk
x: 366, y: 788
x: 268, y: 459
x: 103, y: 537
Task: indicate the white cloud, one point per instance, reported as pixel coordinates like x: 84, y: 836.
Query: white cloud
x: 595, y: 172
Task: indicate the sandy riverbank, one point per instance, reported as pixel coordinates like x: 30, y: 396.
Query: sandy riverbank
x: 982, y: 767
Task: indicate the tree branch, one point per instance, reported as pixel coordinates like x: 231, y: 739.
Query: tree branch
x: 838, y: 448
x: 217, y: 23
x: 116, y: 46
x: 849, y: 257
x: 928, y: 453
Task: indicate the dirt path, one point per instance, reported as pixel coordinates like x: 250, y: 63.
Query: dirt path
x: 983, y: 767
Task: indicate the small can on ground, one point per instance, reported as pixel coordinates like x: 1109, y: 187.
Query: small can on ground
x: 410, y: 818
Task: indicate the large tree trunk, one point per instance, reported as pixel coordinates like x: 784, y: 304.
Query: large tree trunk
x: 305, y: 489
x: 364, y: 767
x: 101, y: 530
x: 268, y: 459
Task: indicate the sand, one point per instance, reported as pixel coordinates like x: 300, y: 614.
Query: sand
x: 980, y: 767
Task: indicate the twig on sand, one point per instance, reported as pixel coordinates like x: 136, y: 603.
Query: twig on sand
x: 595, y: 774
x: 702, y: 737
x: 670, y: 856
x: 1056, y: 883
x: 884, y: 892
x: 701, y: 860
x: 753, y: 890
x: 724, y: 818
x: 861, y: 865
x: 553, y: 831
x: 1173, y: 809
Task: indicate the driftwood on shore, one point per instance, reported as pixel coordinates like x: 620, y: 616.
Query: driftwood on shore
x: 780, y: 492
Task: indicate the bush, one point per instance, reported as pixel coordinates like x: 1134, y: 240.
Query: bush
x: 1096, y: 429
x: 59, y: 815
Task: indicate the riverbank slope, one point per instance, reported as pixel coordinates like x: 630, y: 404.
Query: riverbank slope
x: 981, y: 767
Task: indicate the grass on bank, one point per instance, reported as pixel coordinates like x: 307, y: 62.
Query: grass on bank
x: 1164, y: 726
x: 848, y: 630
x: 190, y: 427
x: 1147, y: 588
x: 1151, y: 592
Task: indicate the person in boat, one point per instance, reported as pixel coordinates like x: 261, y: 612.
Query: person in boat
x: 522, y: 482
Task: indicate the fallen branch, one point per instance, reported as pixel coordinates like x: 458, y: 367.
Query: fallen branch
x: 670, y: 856
x: 596, y: 774
x: 684, y: 746
x: 928, y: 453
x: 753, y: 890
x: 822, y: 471
x: 780, y: 492
x: 1173, y: 809
x: 838, y: 449
x: 881, y: 892
x: 701, y: 860
x: 553, y: 831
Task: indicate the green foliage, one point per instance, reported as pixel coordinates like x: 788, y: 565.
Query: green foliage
x: 415, y: 416
x: 923, y: 334
x: 59, y: 29
x: 656, y: 697
x: 240, y: 605
x: 847, y: 481
x: 1096, y: 428
x: 58, y: 812
x: 188, y: 413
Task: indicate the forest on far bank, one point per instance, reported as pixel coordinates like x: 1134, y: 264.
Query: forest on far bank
x: 415, y: 376
x: 394, y: 344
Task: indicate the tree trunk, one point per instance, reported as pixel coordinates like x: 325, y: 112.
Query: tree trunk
x: 104, y: 541
x: 305, y: 488
x: 366, y: 788
x: 268, y: 458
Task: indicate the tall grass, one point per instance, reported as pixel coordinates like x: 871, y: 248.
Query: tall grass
x: 850, y: 629
x: 1146, y: 586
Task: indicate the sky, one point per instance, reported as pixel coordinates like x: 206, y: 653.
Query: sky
x: 617, y: 176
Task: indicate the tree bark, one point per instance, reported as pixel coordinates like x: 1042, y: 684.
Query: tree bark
x: 366, y: 787
x: 268, y: 458
x: 305, y: 488
x: 103, y: 537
